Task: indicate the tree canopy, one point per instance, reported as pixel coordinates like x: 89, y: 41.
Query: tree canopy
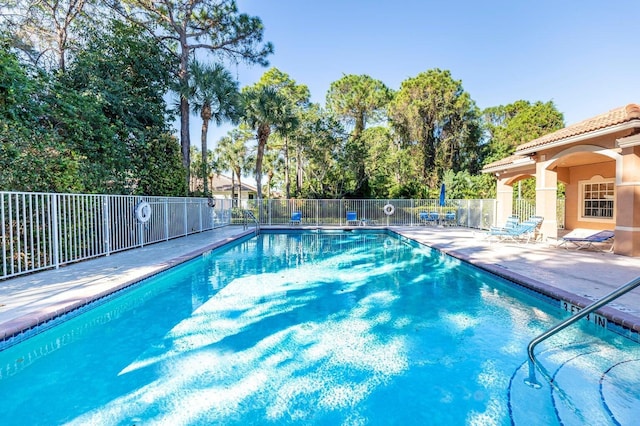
x: 358, y: 101
x: 439, y: 121
x: 102, y: 126
x: 184, y: 27
x: 511, y: 125
x: 83, y: 108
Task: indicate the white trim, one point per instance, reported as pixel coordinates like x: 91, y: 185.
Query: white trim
x: 629, y: 141
x: 627, y: 228
x: 628, y: 184
x: 507, y: 167
x: 594, y: 220
x: 549, y: 188
x: 598, y: 219
x: 583, y: 136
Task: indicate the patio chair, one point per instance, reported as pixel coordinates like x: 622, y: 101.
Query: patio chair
x: 524, y: 231
x: 586, y: 238
x: 536, y: 232
x: 512, y: 222
x: 430, y: 218
x: 296, y: 218
x: 352, y: 218
x: 450, y: 219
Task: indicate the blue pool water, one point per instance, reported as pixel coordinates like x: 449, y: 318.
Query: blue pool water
x: 318, y: 328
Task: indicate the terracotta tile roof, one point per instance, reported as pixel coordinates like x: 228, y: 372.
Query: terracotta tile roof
x: 602, y: 121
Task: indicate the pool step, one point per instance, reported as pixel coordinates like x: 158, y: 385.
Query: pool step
x: 588, y: 388
x: 619, y: 389
x: 527, y: 405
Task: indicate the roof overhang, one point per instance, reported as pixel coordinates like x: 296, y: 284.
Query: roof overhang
x: 515, y: 165
x: 582, y: 137
x: 629, y: 141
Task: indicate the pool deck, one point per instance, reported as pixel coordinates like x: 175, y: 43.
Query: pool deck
x: 578, y: 277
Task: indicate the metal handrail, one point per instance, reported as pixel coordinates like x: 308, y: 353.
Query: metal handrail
x: 248, y: 214
x: 564, y: 324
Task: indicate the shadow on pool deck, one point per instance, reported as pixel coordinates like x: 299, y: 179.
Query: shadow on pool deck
x: 576, y: 276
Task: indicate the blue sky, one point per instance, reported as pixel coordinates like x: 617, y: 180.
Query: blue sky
x: 583, y: 56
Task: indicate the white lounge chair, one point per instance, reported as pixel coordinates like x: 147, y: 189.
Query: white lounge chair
x: 587, y: 238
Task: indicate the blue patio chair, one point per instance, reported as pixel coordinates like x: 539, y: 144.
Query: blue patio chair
x: 525, y: 231
x: 582, y: 240
x: 434, y: 218
x: 423, y: 217
x: 352, y: 218
x: 512, y: 222
x: 430, y: 218
x: 450, y: 219
x: 296, y: 218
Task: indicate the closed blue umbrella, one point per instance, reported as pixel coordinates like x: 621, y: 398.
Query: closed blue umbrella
x: 442, y: 193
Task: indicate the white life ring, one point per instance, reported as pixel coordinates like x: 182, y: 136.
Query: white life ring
x: 388, y: 243
x: 389, y: 209
x: 143, y: 212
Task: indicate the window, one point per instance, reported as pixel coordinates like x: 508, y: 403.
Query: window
x: 598, y: 196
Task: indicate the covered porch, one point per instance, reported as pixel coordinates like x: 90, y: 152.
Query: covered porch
x: 598, y: 160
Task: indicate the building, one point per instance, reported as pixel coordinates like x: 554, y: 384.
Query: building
x: 598, y: 160
x: 222, y: 187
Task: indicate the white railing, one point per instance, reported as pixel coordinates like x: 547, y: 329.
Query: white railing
x: 524, y: 209
x: 44, y: 230
x: 469, y: 213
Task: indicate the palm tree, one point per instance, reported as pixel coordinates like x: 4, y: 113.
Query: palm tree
x: 214, y: 95
x: 273, y: 166
x: 264, y: 109
x: 232, y: 154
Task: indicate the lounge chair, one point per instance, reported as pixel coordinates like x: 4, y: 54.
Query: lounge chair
x: 525, y: 231
x: 352, y: 218
x: 512, y: 222
x: 586, y: 238
x: 537, y: 234
x: 430, y: 218
x: 296, y: 218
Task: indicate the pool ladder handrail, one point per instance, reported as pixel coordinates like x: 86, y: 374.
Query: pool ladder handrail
x: 531, y: 381
x: 248, y: 214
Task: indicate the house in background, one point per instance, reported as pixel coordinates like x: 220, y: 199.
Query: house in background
x: 598, y: 160
x: 222, y: 187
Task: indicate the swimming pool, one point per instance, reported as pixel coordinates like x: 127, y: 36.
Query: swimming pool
x: 318, y: 328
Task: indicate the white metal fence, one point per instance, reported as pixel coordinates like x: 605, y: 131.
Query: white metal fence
x: 44, y: 230
x: 524, y: 208
x: 469, y: 213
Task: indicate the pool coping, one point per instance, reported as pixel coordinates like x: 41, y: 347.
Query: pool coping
x: 24, y: 325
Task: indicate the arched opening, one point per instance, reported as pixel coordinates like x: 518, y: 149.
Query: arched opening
x: 589, y: 174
